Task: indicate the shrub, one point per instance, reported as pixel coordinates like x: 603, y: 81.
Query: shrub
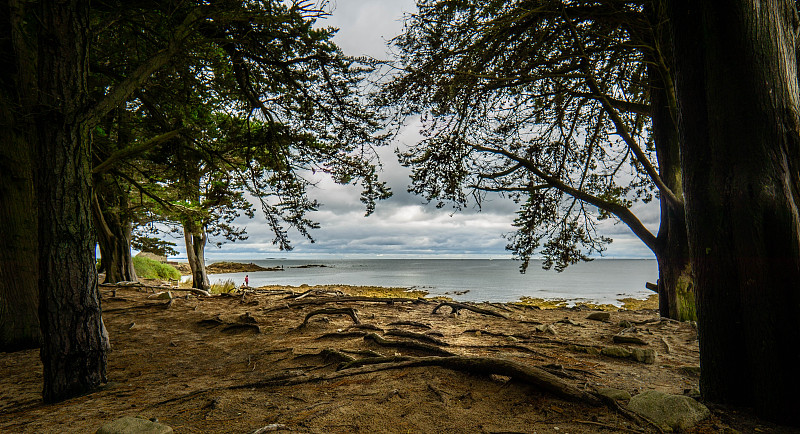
x: 147, y: 268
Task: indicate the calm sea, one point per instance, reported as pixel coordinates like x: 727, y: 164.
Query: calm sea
x: 497, y: 280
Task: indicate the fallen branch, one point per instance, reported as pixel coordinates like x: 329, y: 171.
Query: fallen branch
x: 349, y: 311
x: 457, y: 307
x: 410, y: 345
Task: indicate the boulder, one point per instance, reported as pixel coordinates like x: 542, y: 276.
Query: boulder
x: 670, y: 412
x: 134, y: 425
x: 619, y: 352
x: 647, y: 356
x: 599, y: 316
x: 615, y: 394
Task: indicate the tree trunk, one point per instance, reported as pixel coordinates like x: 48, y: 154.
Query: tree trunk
x: 74, y: 340
x: 19, y: 298
x: 740, y: 149
x: 114, y: 229
x: 675, y: 281
x: 195, y: 254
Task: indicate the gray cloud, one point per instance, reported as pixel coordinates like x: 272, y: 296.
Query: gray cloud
x: 403, y: 225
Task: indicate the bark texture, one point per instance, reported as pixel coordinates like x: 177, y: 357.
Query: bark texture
x: 19, y: 322
x: 74, y: 339
x: 195, y: 253
x: 114, y: 227
x: 740, y: 149
x: 675, y: 280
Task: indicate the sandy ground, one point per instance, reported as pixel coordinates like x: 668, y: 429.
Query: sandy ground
x: 237, y: 363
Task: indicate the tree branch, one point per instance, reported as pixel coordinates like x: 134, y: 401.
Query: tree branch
x: 622, y: 213
x: 131, y: 151
x: 123, y: 90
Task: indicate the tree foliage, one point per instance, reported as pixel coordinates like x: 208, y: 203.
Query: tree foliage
x: 545, y: 102
x: 260, y: 98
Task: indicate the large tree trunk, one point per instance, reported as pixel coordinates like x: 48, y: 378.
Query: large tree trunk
x: 738, y: 95
x: 75, y: 342
x: 19, y: 321
x: 114, y: 227
x: 195, y: 253
x: 675, y: 281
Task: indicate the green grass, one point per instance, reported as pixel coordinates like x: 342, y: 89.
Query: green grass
x: 147, y: 268
x: 223, y: 287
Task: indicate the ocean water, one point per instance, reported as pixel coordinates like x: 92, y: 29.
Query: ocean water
x: 497, y: 280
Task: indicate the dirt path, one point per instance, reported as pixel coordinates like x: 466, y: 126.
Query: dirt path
x: 238, y: 363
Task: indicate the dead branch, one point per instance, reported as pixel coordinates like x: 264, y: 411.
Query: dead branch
x: 349, y: 311
x: 457, y: 307
x: 410, y: 345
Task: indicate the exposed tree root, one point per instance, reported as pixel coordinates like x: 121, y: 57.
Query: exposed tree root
x: 416, y: 336
x: 366, y: 327
x: 410, y: 323
x: 296, y: 296
x: 639, y: 420
x: 536, y: 377
x: 409, y: 345
x: 350, y: 334
x: 138, y: 285
x: 139, y: 306
x: 237, y: 327
x: 457, y: 307
x: 349, y: 311
x: 326, y: 300
x: 497, y: 334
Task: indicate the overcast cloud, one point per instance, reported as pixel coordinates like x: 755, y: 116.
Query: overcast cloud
x: 402, y: 226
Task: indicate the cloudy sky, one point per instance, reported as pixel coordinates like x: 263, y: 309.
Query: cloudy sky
x: 402, y: 226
